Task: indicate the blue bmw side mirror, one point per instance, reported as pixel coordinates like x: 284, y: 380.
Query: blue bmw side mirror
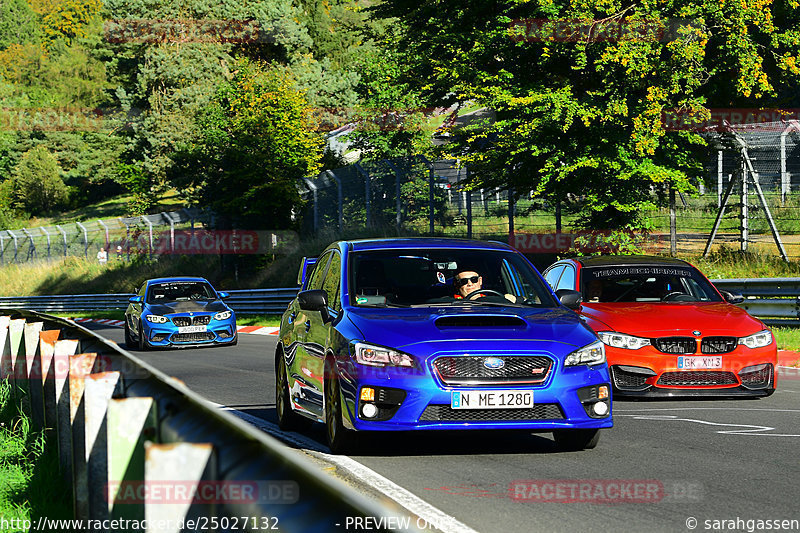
x: 223, y: 295
x: 135, y: 300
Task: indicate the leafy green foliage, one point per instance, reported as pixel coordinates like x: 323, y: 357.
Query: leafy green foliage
x: 583, y: 116
x: 38, y: 186
x: 256, y: 140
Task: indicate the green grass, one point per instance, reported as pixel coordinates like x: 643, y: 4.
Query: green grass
x: 30, y: 486
x: 787, y: 338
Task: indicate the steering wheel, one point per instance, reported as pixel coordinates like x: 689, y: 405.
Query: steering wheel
x: 677, y: 296
x: 483, y: 291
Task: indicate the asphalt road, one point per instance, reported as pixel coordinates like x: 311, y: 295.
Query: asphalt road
x: 665, y: 466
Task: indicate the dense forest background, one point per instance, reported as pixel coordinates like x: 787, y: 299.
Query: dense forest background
x: 228, y: 103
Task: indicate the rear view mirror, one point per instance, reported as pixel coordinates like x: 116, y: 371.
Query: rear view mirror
x: 314, y: 300
x: 732, y: 298
x: 569, y: 298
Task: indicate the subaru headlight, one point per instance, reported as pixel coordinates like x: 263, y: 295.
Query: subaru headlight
x: 591, y: 354
x: 222, y: 315
x: 372, y: 355
x: 157, y: 319
x: 757, y: 340
x: 620, y: 340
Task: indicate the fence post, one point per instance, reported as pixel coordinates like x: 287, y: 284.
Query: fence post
x: 98, y: 390
x: 335, y: 178
x: 32, y: 369
x: 32, y: 247
x: 744, y: 225
x: 367, y: 191
x: 150, y: 234
x: 6, y: 368
x: 105, y: 228
x: 510, y: 214
x: 63, y: 234
x: 48, y: 241
x: 16, y: 247
x: 673, y: 233
x: 85, y: 239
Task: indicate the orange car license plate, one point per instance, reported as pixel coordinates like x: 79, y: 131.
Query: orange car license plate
x: 699, y: 363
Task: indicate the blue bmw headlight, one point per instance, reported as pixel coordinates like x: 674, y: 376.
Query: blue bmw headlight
x: 222, y: 315
x: 157, y: 319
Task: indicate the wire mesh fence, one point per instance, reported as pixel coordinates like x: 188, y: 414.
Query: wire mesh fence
x: 414, y: 195
x: 119, y: 237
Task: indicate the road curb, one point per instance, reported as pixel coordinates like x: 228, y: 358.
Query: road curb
x: 788, y: 358
x: 250, y: 330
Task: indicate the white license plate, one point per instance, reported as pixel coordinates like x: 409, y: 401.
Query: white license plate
x: 692, y: 363
x: 192, y: 329
x: 495, y: 399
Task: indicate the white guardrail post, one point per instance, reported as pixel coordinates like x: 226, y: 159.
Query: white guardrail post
x: 137, y: 445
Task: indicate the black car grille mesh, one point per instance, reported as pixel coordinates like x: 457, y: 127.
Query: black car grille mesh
x: 471, y: 370
x: 443, y: 413
x: 757, y: 379
x: 192, y: 337
x: 183, y: 321
x: 697, y: 378
x: 675, y: 345
x: 718, y: 344
x: 628, y: 380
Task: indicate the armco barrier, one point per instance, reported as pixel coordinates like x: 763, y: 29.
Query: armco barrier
x: 241, y: 301
x: 138, y: 445
x: 774, y: 300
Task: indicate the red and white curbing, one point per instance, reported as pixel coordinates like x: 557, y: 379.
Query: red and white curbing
x: 250, y: 330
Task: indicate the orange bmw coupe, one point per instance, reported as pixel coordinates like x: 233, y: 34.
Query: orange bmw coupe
x: 668, y: 331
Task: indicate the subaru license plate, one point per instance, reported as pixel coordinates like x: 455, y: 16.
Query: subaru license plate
x: 495, y: 399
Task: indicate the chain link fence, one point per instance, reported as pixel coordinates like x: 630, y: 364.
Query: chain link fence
x: 758, y: 168
x: 133, y: 235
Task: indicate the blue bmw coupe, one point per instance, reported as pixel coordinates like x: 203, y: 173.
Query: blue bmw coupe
x: 174, y: 312
x: 437, y: 334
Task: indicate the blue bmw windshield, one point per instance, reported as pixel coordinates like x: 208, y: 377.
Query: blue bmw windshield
x: 427, y: 277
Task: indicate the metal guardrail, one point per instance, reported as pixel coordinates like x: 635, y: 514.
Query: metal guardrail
x: 241, y: 301
x: 776, y: 301
x: 138, y: 445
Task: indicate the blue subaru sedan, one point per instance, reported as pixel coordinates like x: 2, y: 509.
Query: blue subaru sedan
x: 180, y: 311
x: 437, y: 334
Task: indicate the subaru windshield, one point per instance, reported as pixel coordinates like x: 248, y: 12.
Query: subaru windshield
x: 442, y: 277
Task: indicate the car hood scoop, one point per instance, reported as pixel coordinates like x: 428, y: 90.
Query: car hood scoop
x: 481, y: 321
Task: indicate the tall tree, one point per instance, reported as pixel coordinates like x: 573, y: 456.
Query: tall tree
x: 256, y: 140
x: 581, y: 112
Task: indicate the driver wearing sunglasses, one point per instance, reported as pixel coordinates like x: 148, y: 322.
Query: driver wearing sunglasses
x: 469, y: 285
x: 466, y: 283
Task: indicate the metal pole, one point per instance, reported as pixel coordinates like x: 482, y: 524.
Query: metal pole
x: 469, y: 214
x: 106, y: 230
x: 510, y: 215
x: 673, y: 232
x: 718, y: 220
x: 15, y: 245
x: 745, y: 234
x: 784, y: 175
x: 48, y: 241
x: 32, y: 247
x: 431, y: 213
x: 340, y: 196
x: 719, y: 178
x: 367, y: 191
x: 398, y: 206
x: 150, y: 232
x: 63, y: 234
x: 85, y: 239
x: 2, y: 250
x: 558, y: 215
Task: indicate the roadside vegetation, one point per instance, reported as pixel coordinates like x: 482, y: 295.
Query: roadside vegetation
x: 29, y: 483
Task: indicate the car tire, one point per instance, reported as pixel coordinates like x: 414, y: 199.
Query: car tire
x: 576, y: 439
x: 288, y: 420
x: 340, y: 439
x: 129, y: 342
x: 143, y: 345
x: 235, y: 340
